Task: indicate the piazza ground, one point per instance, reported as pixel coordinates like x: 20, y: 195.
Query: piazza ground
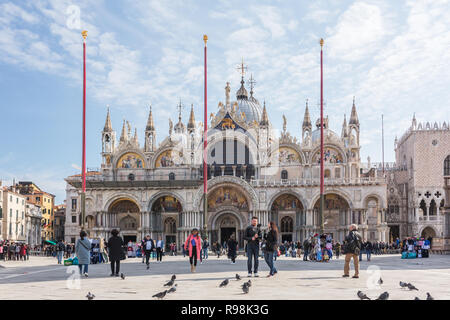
x: 42, y: 278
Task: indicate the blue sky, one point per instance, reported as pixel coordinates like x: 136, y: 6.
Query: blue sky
x: 392, y: 55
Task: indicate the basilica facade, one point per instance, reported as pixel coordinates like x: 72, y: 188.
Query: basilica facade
x: 253, y: 170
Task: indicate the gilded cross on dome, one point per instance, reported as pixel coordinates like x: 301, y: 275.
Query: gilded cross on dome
x: 242, y: 68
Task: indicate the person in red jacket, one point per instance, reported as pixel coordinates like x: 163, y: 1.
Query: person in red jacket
x: 193, y: 245
x: 23, y: 252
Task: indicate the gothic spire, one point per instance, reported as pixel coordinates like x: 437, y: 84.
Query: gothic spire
x: 150, y: 123
x: 307, y: 118
x: 123, y: 136
x: 264, y: 118
x: 191, y: 123
x: 135, y: 138
x: 108, y: 126
x: 344, y: 133
x: 354, y: 116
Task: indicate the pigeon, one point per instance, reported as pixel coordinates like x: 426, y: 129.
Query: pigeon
x: 224, y: 283
x: 416, y: 298
x: 173, y: 289
x: 90, y: 296
x: 380, y: 281
x: 403, y: 284
x: 249, y: 283
x: 160, y: 295
x: 412, y: 287
x: 122, y: 276
x: 238, y: 277
x: 169, y: 283
x: 383, y: 296
x: 429, y: 297
x: 362, y: 295
x: 245, y: 288
x: 173, y: 277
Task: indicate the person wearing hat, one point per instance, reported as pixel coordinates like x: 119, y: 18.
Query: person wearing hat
x: 193, y: 246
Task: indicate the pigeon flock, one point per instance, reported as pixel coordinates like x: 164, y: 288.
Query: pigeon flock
x: 246, y: 288
x: 385, y: 295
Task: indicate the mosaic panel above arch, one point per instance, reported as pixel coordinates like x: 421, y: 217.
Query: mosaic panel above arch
x: 167, y: 204
x: 169, y: 158
x: 287, y: 202
x: 286, y: 155
x: 226, y: 196
x: 131, y: 160
x: 330, y: 155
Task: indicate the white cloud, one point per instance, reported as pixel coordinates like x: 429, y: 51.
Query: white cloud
x: 358, y: 32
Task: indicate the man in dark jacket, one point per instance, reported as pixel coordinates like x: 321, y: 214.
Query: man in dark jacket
x: 115, y: 252
x: 252, y: 235
x: 352, y: 249
x: 306, y: 248
x: 148, y: 247
x: 60, y: 251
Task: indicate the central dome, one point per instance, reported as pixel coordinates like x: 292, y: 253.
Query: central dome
x: 249, y: 106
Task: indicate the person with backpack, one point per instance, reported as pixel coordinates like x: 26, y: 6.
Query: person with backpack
x: 352, y: 250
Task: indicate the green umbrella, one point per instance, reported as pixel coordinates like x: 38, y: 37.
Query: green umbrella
x: 51, y: 242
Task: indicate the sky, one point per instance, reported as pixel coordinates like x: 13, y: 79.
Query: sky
x: 392, y: 56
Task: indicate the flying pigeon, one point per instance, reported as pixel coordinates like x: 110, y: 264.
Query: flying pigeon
x: 383, y: 296
x: 429, y: 297
x: 173, y: 277
x: 224, y: 283
x: 160, y: 295
x: 245, y: 288
x: 173, y: 289
x: 380, y: 281
x: 238, y: 277
x: 90, y: 296
x: 412, y: 287
x: 122, y: 276
x: 169, y: 283
x: 362, y: 296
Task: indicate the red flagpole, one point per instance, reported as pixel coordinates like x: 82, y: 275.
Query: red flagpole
x: 83, y: 173
x: 205, y: 143
x: 321, y: 141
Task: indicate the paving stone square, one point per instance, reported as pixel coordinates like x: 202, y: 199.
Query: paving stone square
x: 42, y: 278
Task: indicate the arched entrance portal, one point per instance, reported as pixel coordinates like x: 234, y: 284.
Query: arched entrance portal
x: 126, y: 215
x: 228, y: 225
x: 428, y: 232
x: 336, y: 215
x: 287, y: 211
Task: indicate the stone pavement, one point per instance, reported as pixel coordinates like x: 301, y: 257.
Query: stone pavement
x: 43, y: 278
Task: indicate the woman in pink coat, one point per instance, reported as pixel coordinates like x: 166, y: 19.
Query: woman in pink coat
x: 193, y: 245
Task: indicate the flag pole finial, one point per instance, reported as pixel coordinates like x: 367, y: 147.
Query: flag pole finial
x: 205, y: 38
x: 84, y: 34
x: 321, y: 42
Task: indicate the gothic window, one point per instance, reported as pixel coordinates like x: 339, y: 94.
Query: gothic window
x: 170, y: 226
x: 423, y: 206
x: 284, y: 174
x: 447, y: 166
x: 128, y: 223
x: 432, y: 208
x: 131, y: 177
x: 171, y: 176
x: 287, y: 224
x: 337, y: 173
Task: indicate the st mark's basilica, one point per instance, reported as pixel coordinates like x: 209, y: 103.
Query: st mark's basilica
x: 253, y: 170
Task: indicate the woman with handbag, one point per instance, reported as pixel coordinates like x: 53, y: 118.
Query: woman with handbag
x: 270, y: 246
x: 193, y: 246
x: 115, y: 252
x: 83, y: 252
